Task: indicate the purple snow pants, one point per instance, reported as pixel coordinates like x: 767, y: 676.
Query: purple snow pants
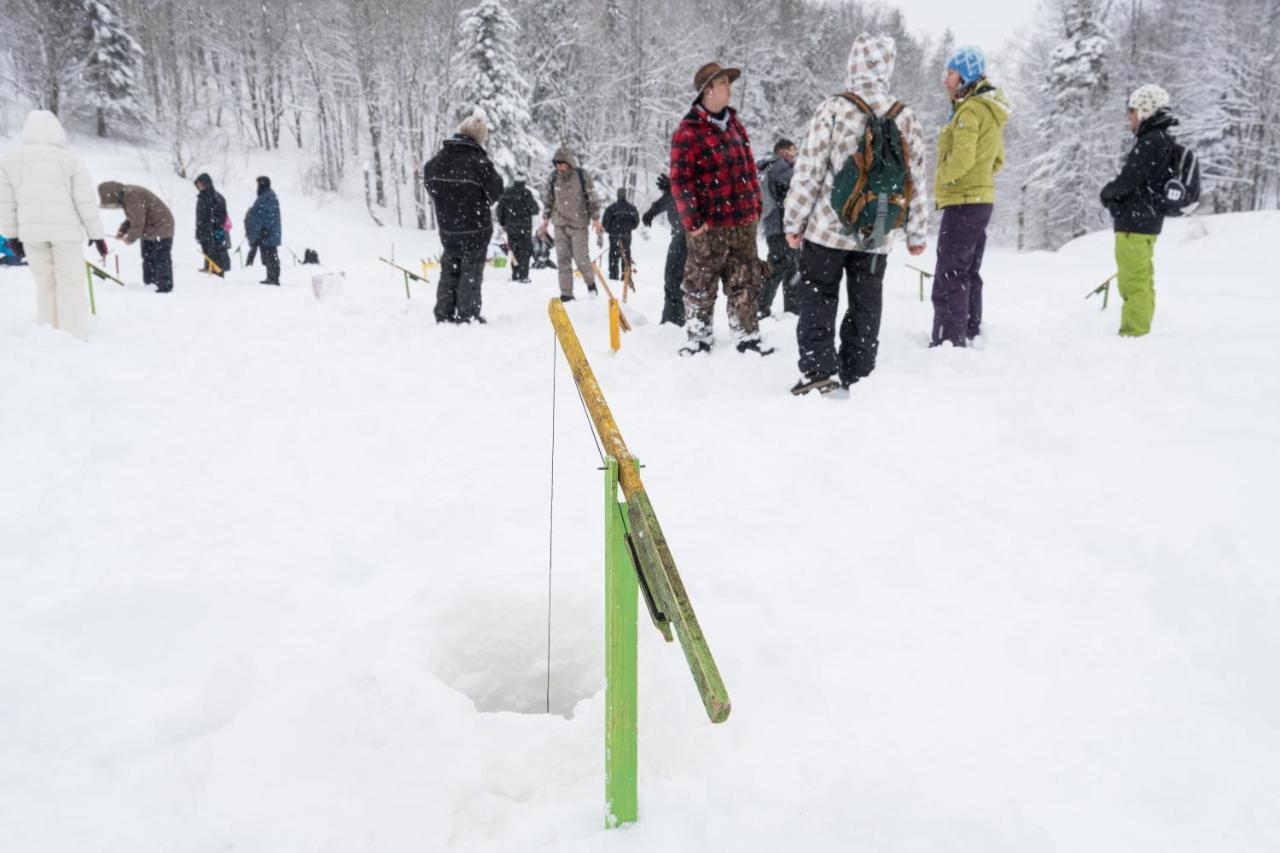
x: 957, y: 284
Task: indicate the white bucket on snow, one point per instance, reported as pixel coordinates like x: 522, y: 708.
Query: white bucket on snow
x: 327, y: 284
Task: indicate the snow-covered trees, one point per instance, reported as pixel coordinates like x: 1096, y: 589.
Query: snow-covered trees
x: 1217, y: 58
x: 112, y: 65
x: 489, y: 81
x: 1076, y: 125
x: 384, y: 82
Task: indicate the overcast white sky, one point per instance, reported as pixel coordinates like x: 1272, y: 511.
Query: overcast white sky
x: 986, y: 23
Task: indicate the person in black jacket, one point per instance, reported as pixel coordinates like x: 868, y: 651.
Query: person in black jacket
x: 1135, y: 201
x: 677, y: 253
x: 211, y: 225
x: 464, y: 187
x: 620, y: 219
x: 516, y: 210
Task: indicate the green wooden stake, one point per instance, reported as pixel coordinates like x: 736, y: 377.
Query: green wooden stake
x: 922, y: 287
x: 621, y: 641
x: 1106, y: 295
x: 406, y: 286
x: 88, y: 276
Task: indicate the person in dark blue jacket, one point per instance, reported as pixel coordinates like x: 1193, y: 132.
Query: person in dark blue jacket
x: 264, y: 231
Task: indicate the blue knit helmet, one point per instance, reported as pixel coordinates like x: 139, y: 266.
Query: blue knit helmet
x: 969, y: 62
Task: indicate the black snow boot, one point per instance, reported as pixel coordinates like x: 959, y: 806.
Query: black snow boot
x: 754, y: 346
x: 694, y: 348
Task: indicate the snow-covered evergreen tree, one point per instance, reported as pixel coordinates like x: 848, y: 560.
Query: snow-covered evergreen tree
x: 1080, y: 126
x: 113, y: 65
x: 490, y: 82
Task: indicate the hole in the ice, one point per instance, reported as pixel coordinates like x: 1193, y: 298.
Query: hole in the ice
x: 497, y: 656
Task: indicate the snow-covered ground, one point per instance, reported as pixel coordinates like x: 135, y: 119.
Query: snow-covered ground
x: 274, y: 570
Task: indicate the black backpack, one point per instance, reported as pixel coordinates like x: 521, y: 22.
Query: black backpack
x: 1180, y: 195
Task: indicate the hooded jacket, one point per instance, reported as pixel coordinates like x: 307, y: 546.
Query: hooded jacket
x: 464, y: 187
x: 621, y: 218
x: 835, y: 132
x: 211, y: 214
x: 570, y: 198
x: 262, y: 225
x: 146, y: 217
x: 713, y: 172
x: 776, y: 175
x: 971, y: 147
x: 46, y: 194
x: 1133, y: 198
x: 516, y: 209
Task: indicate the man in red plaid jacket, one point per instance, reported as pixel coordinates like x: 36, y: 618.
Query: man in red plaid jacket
x: 717, y: 193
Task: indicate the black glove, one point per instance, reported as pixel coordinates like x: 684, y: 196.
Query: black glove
x: 100, y: 245
x: 647, y: 219
x: 18, y: 251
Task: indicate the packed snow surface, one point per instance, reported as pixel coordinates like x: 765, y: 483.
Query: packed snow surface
x: 274, y: 568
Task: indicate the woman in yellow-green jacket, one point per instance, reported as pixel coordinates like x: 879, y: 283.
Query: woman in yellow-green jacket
x: 970, y: 152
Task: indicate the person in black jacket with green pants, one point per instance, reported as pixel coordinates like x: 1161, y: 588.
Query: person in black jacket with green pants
x: 1135, y: 200
x: 464, y: 186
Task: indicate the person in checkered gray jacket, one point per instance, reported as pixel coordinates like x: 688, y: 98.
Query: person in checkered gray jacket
x: 829, y: 253
x: 717, y: 194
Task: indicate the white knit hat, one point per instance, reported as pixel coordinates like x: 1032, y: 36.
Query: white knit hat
x: 475, y: 127
x: 1148, y: 100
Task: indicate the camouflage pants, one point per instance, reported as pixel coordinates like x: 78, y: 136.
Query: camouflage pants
x: 726, y: 255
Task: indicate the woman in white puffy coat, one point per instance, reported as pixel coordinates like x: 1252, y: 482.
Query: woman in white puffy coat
x: 48, y: 202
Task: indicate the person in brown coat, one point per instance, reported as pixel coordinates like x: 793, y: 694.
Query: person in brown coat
x: 148, y: 220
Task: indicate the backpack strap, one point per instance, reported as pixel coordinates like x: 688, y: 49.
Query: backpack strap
x: 891, y: 115
x: 857, y: 102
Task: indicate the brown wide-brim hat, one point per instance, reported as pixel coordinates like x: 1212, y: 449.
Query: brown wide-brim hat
x: 709, y: 72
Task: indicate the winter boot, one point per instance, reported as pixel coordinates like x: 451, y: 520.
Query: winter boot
x: 754, y: 346
x: 821, y: 384
x: 568, y: 298
x: 693, y: 348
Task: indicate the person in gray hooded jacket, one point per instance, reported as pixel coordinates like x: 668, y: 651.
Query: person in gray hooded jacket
x: 571, y: 205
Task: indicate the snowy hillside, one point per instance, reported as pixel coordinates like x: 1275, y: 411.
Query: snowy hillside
x: 273, y: 569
